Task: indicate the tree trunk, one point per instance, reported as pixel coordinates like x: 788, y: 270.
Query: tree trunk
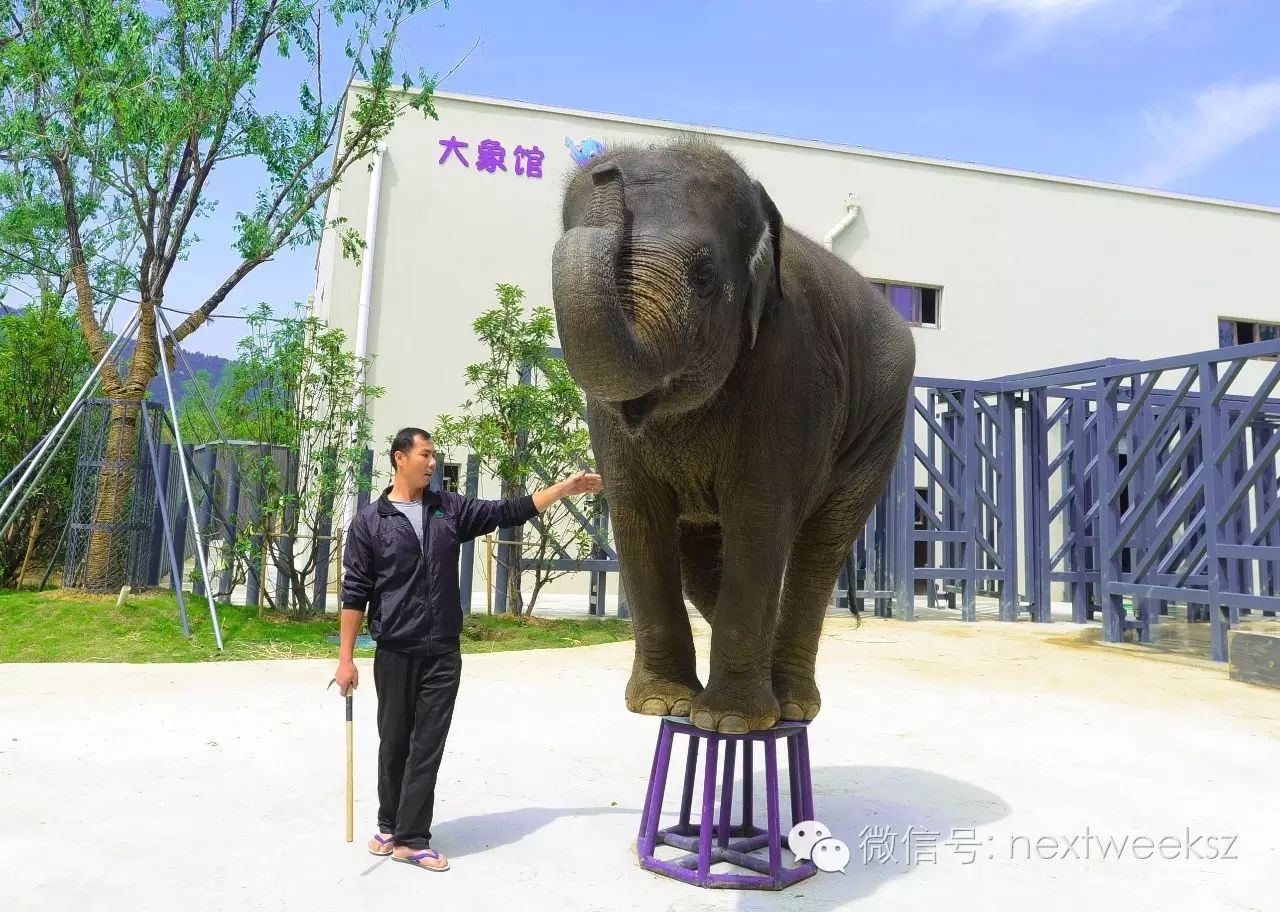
x: 515, y: 601
x: 107, y: 563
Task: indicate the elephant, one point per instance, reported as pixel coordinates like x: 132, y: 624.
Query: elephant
x: 746, y: 393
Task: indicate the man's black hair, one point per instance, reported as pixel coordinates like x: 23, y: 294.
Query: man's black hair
x: 403, y: 442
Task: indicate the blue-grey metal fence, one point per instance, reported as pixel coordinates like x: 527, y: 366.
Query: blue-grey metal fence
x: 1135, y: 485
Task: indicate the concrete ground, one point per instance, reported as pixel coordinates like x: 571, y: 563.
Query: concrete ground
x: 1015, y: 754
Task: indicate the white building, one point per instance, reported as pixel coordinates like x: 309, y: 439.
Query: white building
x: 1002, y: 271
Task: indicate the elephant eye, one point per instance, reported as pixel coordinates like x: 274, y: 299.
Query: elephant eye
x: 703, y: 276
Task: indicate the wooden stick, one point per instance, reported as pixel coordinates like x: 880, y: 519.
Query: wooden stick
x: 351, y: 787
x: 31, y: 543
x: 350, y: 778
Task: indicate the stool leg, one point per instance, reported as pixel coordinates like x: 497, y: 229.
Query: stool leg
x: 748, y: 783
x: 690, y: 771
x: 771, y: 796
x: 793, y: 781
x: 653, y: 769
x: 726, y: 794
x: 806, y: 775
x: 656, y: 790
x: 708, y: 808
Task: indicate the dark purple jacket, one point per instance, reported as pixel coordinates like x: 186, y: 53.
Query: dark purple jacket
x: 410, y: 591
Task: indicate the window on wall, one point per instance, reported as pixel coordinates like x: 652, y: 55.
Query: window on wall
x: 918, y: 304
x: 450, y: 474
x: 1233, y: 331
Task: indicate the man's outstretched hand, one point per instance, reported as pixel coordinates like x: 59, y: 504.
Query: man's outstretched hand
x: 583, y: 483
x: 579, y: 483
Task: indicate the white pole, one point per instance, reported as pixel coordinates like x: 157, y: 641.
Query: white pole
x: 88, y: 384
x: 186, y: 484
x: 366, y: 301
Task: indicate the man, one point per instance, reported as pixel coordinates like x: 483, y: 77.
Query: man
x: 401, y: 569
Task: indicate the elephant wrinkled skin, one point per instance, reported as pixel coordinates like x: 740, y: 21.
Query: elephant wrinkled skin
x: 746, y: 392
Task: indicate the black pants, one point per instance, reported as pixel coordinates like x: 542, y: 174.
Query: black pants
x: 416, y: 694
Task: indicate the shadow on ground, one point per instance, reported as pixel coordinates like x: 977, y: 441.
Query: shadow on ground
x: 857, y: 803
x: 481, y: 832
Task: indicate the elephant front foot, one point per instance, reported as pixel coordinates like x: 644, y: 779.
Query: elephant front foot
x: 798, y: 697
x: 652, y: 693
x: 733, y: 705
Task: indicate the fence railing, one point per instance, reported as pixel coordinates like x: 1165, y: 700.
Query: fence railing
x: 1124, y: 488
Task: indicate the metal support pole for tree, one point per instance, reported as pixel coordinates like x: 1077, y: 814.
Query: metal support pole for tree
x: 175, y: 568
x: 186, y: 483
x: 60, y: 429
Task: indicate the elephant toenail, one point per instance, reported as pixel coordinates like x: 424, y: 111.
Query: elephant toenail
x: 793, y: 712
x: 654, y: 707
x: 705, y: 720
x: 681, y: 707
x: 734, y: 725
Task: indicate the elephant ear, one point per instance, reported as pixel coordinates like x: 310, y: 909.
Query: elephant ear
x: 766, y: 263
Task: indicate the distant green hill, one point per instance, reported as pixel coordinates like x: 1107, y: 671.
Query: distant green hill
x: 198, y: 361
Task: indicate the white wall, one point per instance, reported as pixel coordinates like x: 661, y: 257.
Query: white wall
x: 1035, y: 272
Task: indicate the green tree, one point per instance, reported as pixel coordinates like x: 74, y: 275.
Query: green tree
x: 524, y: 433
x: 294, y: 386
x: 43, y: 362
x: 116, y: 118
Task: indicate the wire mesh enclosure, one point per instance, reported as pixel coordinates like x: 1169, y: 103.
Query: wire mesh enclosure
x: 114, y: 499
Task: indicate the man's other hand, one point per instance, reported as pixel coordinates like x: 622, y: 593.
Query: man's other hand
x: 348, y: 677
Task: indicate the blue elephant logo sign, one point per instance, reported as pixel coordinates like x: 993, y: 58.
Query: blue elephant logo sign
x: 584, y: 151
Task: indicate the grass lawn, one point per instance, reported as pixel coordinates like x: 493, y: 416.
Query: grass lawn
x: 64, y: 626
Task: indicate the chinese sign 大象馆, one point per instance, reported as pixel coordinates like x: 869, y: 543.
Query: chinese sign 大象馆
x: 491, y: 156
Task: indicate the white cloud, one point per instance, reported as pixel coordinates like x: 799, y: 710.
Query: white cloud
x: 1218, y: 120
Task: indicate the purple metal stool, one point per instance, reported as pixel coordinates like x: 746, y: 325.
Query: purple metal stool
x: 711, y: 841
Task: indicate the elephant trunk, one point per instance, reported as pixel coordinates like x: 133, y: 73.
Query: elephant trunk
x: 601, y: 348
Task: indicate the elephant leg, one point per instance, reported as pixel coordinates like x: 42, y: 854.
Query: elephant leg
x: 664, y: 677
x: 701, y: 546
x: 739, y: 697
x: 820, y: 551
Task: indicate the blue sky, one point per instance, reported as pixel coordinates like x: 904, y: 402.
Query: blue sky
x: 1181, y: 95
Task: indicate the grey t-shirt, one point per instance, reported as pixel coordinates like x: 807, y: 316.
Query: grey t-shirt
x: 413, y: 510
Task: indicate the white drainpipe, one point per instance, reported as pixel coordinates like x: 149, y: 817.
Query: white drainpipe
x: 366, y: 293
x: 366, y: 267
x: 854, y: 205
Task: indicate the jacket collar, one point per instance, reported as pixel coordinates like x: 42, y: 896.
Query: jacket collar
x: 387, y: 508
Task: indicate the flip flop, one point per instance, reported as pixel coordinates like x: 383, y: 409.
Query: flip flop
x: 416, y: 859
x: 383, y: 844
